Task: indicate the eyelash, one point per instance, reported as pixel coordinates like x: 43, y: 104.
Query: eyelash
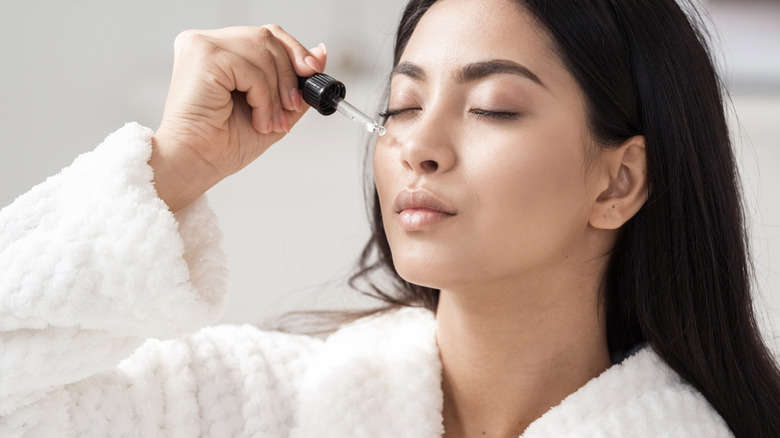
x: 496, y: 115
x: 386, y: 114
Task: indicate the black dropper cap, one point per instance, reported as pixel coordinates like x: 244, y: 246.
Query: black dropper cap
x: 320, y: 91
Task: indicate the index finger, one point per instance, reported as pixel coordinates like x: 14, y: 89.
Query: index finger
x: 304, y: 63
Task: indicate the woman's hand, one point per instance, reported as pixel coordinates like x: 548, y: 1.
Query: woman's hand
x: 234, y: 92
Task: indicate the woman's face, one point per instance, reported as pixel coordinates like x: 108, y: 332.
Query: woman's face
x: 481, y: 176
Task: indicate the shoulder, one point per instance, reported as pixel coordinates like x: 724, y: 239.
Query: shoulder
x: 380, y: 375
x: 379, y: 342
x: 243, y: 351
x: 639, y: 397
x: 246, y: 347
x: 400, y: 325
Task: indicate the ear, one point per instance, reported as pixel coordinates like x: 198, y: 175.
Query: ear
x: 624, y: 172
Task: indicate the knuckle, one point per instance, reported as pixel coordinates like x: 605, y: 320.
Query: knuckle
x: 263, y: 34
x: 191, y: 41
x: 184, y: 38
x: 273, y: 27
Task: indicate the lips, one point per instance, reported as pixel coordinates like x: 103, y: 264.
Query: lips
x: 419, y: 209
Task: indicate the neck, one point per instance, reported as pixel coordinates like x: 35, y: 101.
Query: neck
x: 510, y: 355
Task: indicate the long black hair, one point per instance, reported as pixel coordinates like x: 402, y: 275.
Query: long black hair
x: 679, y: 277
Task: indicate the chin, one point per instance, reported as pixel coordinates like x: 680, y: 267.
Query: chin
x: 423, y: 273
x: 436, y: 263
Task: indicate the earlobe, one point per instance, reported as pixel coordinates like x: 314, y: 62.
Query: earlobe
x: 625, y: 168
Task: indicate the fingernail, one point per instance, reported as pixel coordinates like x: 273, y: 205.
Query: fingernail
x: 270, y: 126
x: 312, y: 62
x: 295, y: 98
x: 323, y: 48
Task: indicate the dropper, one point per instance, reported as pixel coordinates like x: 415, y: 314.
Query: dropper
x: 326, y: 95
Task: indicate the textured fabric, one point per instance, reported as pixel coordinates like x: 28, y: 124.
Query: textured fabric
x: 94, y: 271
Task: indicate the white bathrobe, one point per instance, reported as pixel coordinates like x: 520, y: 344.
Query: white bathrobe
x: 94, y: 270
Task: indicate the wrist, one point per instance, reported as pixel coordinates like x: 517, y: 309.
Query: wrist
x: 180, y: 177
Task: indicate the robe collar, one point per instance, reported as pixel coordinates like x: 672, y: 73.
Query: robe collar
x: 381, y: 377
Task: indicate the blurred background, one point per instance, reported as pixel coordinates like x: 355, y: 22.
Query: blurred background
x: 294, y: 222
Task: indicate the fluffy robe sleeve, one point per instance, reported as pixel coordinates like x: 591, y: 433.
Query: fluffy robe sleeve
x: 92, y: 264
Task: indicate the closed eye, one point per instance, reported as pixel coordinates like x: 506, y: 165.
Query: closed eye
x: 388, y: 113
x: 497, y: 115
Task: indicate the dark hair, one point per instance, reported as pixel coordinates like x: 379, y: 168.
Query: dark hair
x: 679, y: 277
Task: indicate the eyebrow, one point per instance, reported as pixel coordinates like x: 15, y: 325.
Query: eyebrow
x: 473, y: 71
x: 408, y: 69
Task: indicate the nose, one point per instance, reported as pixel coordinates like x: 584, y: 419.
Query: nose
x: 429, y: 148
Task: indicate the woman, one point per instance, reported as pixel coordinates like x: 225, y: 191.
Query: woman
x: 556, y: 185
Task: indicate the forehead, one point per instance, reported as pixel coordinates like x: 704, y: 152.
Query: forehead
x: 456, y: 32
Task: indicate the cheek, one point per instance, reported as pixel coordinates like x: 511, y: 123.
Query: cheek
x: 532, y: 195
x: 535, y: 168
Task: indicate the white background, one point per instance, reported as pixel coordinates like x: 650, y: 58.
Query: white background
x: 294, y: 221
